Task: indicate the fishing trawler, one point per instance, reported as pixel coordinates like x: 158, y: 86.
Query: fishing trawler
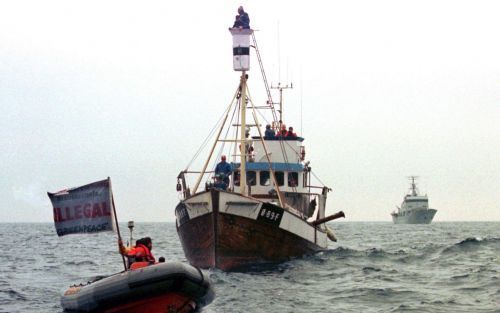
x: 266, y: 209
x: 414, y: 208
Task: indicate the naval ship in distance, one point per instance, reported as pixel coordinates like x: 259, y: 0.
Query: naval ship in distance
x: 414, y: 208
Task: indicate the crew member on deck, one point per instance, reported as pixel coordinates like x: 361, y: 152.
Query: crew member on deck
x: 223, y: 168
x: 249, y: 148
x: 282, y: 132
x: 290, y: 133
x: 141, y: 252
x: 269, y: 133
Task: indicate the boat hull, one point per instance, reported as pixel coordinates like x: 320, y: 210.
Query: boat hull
x: 154, y: 288
x: 414, y: 216
x: 233, y: 232
x: 171, y: 302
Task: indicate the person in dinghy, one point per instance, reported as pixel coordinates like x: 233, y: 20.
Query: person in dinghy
x: 139, y: 255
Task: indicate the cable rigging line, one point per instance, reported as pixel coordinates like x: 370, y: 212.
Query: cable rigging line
x: 197, y: 184
x: 221, y: 150
x: 270, y: 101
x: 210, y: 134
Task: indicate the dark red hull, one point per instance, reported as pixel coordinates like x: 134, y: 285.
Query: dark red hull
x: 229, y: 242
x: 163, y: 287
x: 173, y: 302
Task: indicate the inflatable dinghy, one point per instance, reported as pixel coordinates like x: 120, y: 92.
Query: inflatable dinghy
x: 162, y: 287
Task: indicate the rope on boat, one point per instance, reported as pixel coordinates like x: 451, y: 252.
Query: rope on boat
x: 210, y: 134
x: 221, y: 150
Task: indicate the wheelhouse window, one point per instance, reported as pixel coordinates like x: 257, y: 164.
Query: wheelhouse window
x: 265, y: 178
x: 280, y: 178
x: 251, y: 178
x: 293, y: 179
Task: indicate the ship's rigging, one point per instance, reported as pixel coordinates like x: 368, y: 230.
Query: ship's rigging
x: 257, y: 208
x: 227, y: 142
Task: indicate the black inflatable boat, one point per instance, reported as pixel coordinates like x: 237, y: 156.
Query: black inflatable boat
x: 162, y: 287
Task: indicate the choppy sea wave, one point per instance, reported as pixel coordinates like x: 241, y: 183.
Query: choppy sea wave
x: 374, y: 267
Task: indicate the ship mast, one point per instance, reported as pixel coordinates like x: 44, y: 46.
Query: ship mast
x: 413, y: 186
x: 243, y: 145
x: 241, y: 63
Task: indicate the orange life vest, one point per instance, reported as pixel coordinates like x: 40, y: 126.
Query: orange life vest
x: 140, y: 253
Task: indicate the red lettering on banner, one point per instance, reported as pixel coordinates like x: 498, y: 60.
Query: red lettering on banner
x: 60, y: 217
x: 68, y: 214
x: 87, y: 210
x: 78, y: 212
x: 57, y: 215
x: 96, y: 210
x: 105, y: 210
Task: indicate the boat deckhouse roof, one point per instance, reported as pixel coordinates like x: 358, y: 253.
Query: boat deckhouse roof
x: 281, y: 138
x: 264, y: 166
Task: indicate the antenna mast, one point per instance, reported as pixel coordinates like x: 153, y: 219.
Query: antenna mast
x: 280, y: 88
x: 413, y: 185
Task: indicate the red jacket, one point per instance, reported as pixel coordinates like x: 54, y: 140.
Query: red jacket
x: 140, y: 253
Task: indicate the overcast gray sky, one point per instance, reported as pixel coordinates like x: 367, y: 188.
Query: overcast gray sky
x: 128, y: 89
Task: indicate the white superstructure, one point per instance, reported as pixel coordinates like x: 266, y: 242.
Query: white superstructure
x: 414, y: 208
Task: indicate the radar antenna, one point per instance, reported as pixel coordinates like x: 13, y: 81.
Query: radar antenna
x: 413, y: 189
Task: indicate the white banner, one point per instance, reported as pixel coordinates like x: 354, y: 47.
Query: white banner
x: 85, y: 209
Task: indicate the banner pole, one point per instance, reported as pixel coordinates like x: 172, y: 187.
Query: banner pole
x: 116, y: 221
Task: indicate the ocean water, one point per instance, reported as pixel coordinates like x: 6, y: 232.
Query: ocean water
x: 374, y: 267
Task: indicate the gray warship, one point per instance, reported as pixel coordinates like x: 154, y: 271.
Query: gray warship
x: 414, y: 208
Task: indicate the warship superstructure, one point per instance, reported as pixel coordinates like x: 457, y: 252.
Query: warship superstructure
x: 414, y: 208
